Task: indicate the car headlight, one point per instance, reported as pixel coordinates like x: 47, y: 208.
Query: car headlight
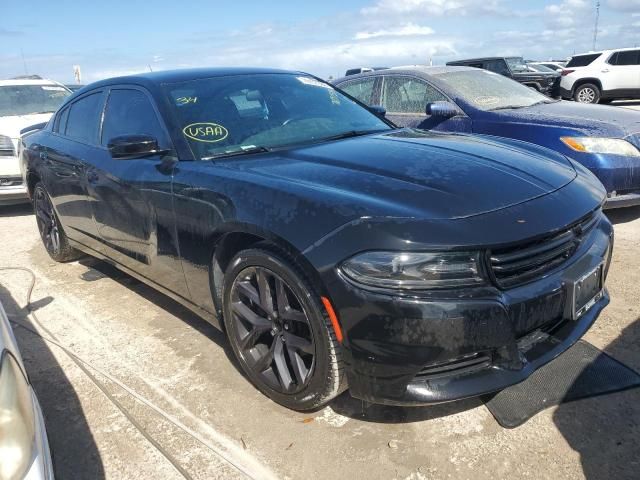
x: 414, y: 270
x: 17, y: 423
x: 615, y: 146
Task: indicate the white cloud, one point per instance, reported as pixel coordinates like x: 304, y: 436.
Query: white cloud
x: 624, y: 5
x: 409, y: 29
x: 432, y: 7
x: 569, y: 13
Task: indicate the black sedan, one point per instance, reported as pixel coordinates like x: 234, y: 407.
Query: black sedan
x: 334, y: 250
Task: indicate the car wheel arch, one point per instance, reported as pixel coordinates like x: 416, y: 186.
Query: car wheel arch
x: 33, y: 179
x: 582, y: 81
x: 229, y: 243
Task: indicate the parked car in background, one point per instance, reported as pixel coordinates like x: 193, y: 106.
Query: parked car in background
x: 459, y: 99
x: 23, y: 102
x: 73, y: 86
x: 336, y: 250
x: 547, y: 83
x: 24, y: 448
x: 555, y: 66
x: 600, y: 77
x: 355, y: 71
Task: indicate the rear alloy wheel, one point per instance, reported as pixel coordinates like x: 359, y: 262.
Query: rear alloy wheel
x: 587, y: 93
x: 278, y: 331
x: 51, y: 232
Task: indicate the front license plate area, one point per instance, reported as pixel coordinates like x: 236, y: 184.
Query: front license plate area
x: 587, y: 291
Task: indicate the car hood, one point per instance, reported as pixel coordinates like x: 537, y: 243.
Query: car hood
x: 419, y: 174
x: 11, y: 125
x: 595, y: 120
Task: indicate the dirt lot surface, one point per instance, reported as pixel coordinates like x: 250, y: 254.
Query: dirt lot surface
x: 146, y: 390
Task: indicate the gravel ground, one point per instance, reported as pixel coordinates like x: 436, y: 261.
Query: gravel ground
x: 151, y: 392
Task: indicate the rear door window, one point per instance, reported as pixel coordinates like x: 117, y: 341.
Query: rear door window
x: 83, y: 118
x: 61, y: 121
x: 582, y: 60
x: 408, y: 95
x: 130, y: 112
x: 361, y: 89
x: 628, y: 57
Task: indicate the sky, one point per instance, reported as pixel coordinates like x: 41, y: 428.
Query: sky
x: 323, y: 37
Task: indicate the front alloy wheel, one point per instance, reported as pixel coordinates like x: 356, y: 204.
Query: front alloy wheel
x: 272, y: 329
x: 279, y: 331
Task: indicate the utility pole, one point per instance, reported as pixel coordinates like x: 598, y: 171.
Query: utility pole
x: 595, y: 28
x: 24, y: 62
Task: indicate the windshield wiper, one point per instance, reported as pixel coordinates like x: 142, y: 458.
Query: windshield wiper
x: 508, y: 107
x: 235, y: 153
x: 348, y: 134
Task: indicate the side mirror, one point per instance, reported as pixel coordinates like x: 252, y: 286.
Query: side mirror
x: 441, y: 109
x: 378, y: 110
x: 133, y: 146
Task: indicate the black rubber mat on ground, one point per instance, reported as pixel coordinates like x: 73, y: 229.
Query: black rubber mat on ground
x: 582, y: 371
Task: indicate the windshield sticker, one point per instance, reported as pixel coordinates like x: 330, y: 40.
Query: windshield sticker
x: 312, y: 81
x: 205, y: 132
x: 487, y: 100
x: 186, y: 100
x: 54, y: 89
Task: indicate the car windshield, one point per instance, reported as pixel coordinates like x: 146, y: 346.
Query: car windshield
x: 27, y: 99
x: 491, y: 91
x: 237, y: 114
x: 516, y: 64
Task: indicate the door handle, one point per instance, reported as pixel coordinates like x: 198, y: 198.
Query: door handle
x: 606, y: 70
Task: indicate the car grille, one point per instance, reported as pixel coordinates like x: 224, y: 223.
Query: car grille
x: 530, y: 261
x: 6, y: 147
x: 459, y: 366
x: 10, y: 181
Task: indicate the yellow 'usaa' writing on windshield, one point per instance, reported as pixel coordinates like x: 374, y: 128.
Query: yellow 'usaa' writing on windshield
x: 205, y: 132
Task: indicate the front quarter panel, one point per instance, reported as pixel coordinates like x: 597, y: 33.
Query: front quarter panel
x: 211, y: 200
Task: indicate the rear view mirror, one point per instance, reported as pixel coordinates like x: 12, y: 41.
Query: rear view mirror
x: 378, y: 110
x: 441, y: 109
x: 133, y: 146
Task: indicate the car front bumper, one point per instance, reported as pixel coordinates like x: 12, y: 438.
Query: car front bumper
x: 42, y: 466
x: 13, y: 194
x: 631, y: 199
x: 419, y: 349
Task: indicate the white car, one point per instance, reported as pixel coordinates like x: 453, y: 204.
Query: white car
x: 555, y: 66
x: 23, y: 102
x: 600, y: 77
x: 24, y: 448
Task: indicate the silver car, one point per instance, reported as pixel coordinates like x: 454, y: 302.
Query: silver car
x: 24, y: 448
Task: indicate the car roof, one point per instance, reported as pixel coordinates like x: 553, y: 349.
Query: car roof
x: 482, y: 59
x: 600, y: 52
x: 424, y: 70
x: 24, y: 81
x: 186, y: 74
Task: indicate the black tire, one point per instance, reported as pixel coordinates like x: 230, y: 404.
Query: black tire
x: 587, y: 93
x: 271, y: 347
x: 53, y: 237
